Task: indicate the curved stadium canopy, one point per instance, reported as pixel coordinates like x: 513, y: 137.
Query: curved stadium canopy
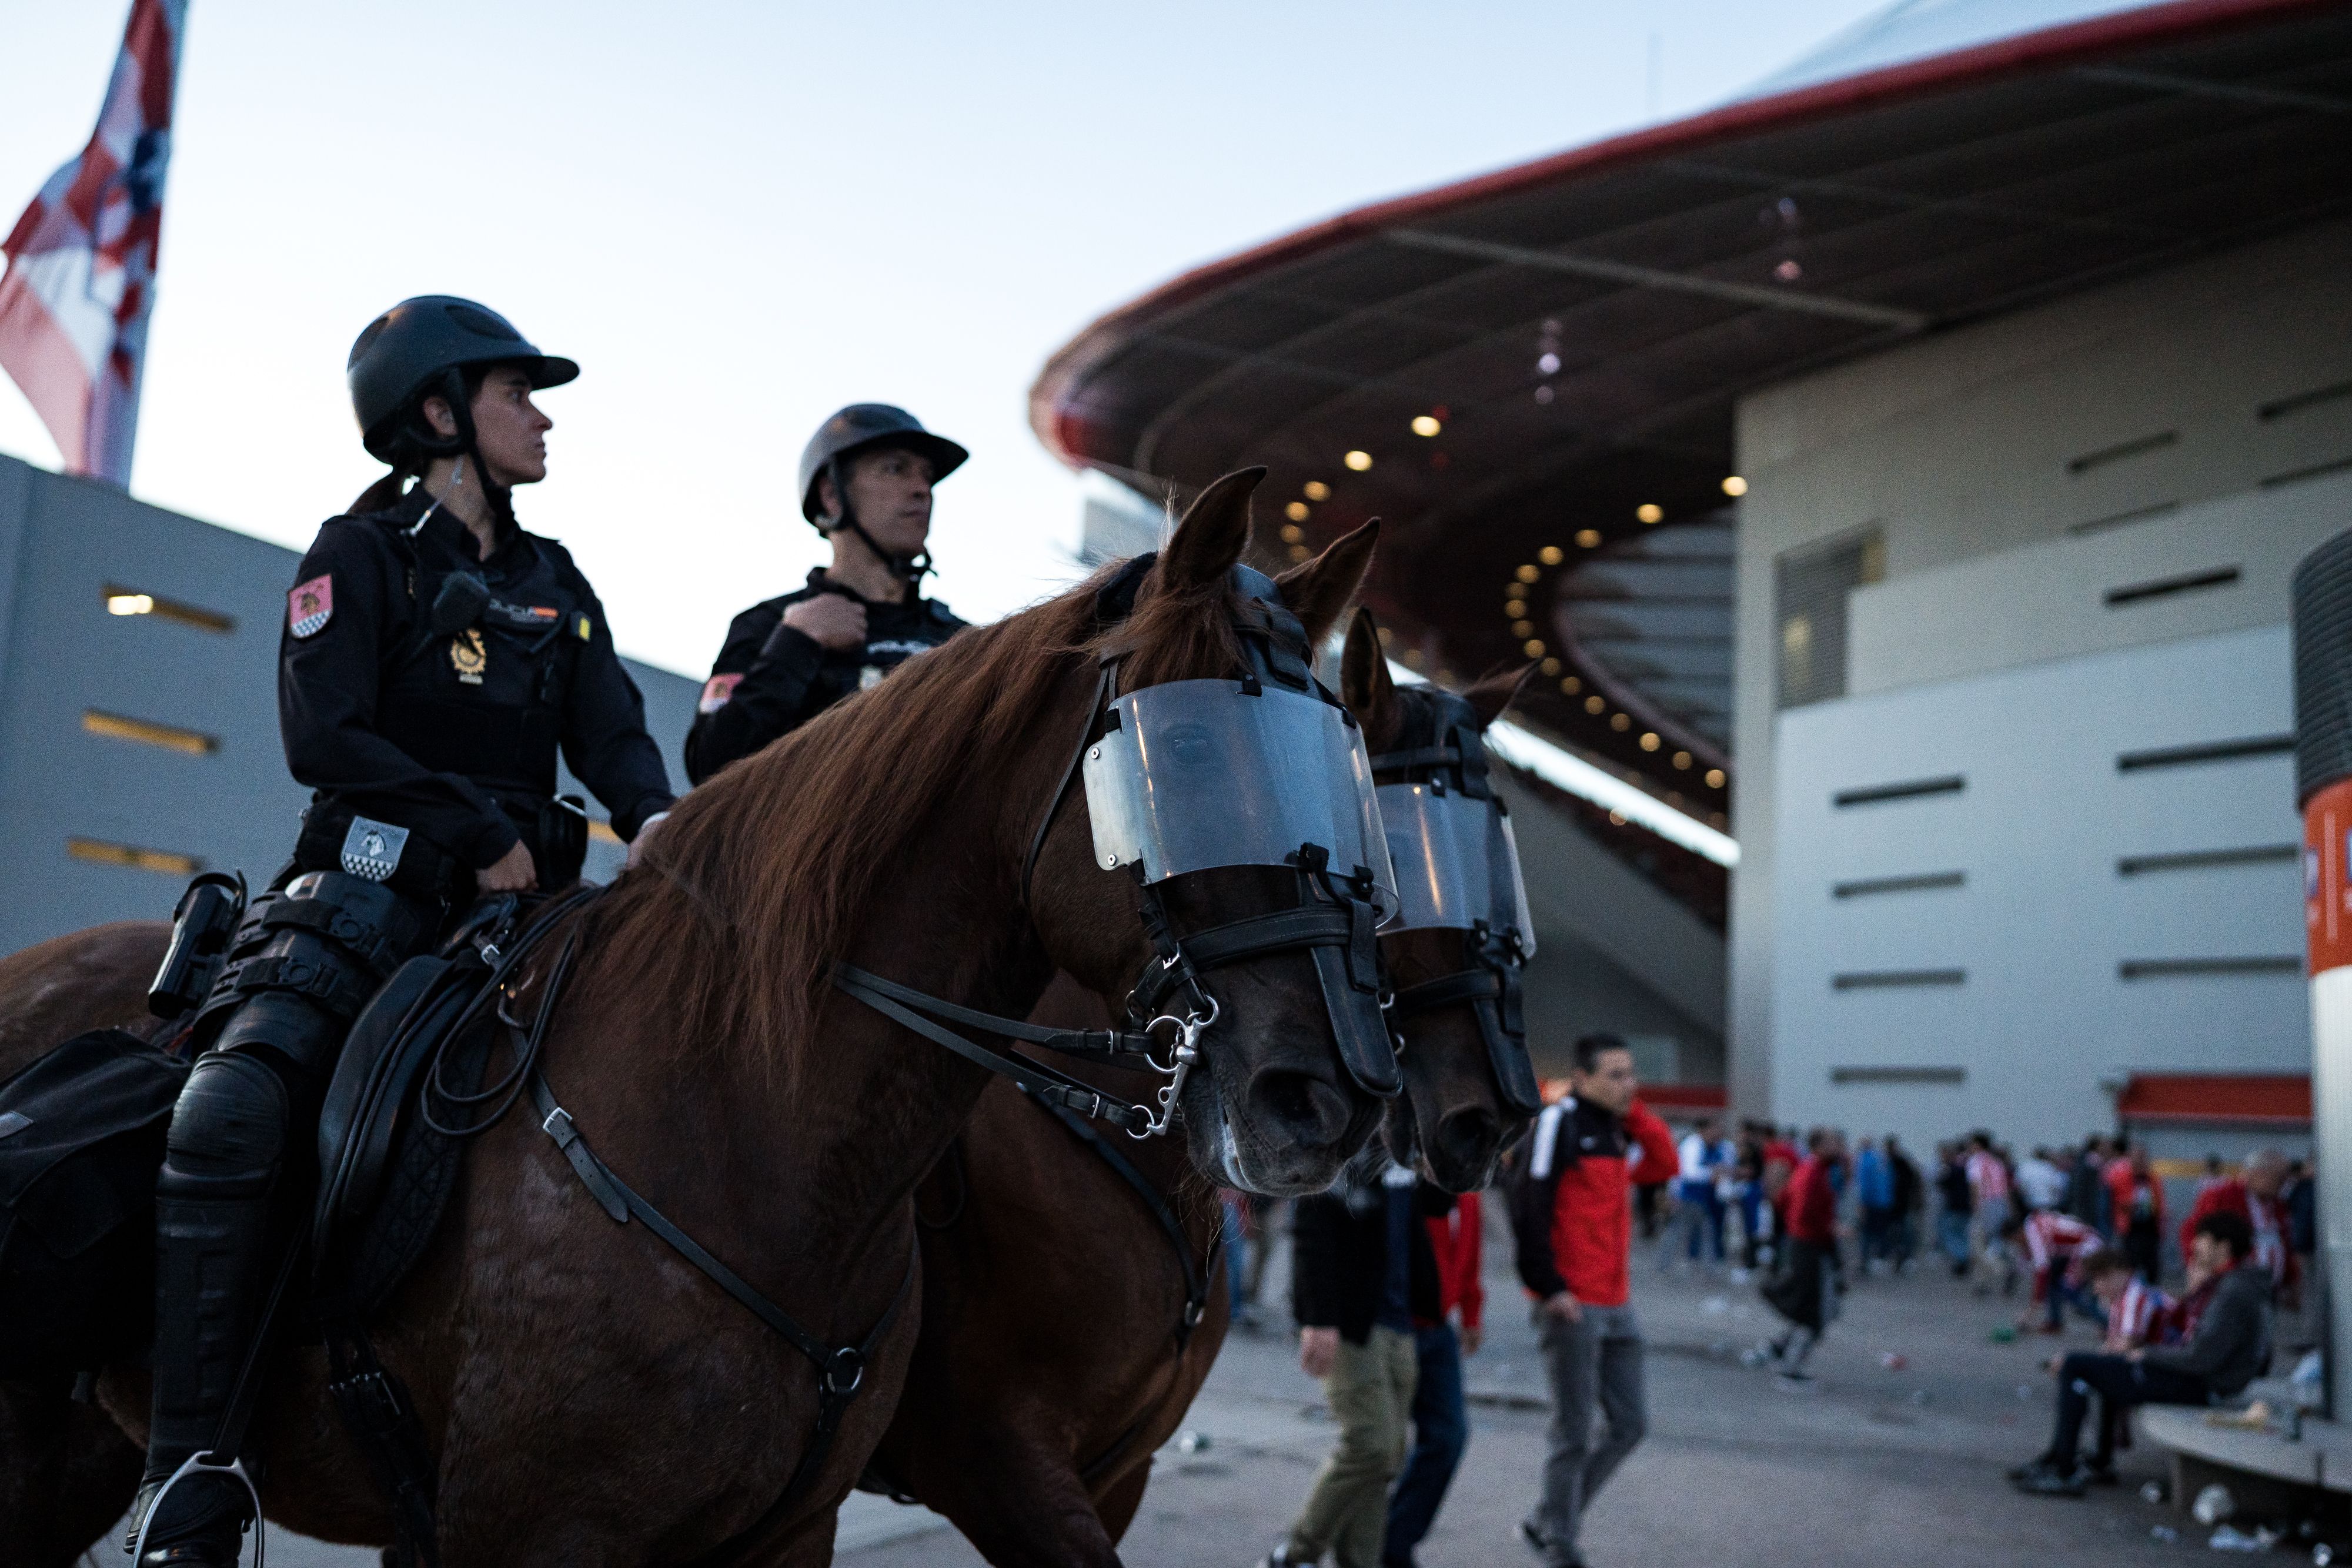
x: 1579, y: 328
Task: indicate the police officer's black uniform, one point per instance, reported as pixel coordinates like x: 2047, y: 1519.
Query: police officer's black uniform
x: 424, y: 694
x: 771, y: 678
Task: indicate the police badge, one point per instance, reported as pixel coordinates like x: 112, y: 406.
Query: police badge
x: 469, y: 655
x: 311, y: 606
x: 371, y: 849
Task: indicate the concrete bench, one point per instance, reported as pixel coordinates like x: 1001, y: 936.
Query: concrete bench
x: 2323, y: 1458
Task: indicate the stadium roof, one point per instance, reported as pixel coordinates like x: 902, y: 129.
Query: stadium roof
x: 1579, y: 328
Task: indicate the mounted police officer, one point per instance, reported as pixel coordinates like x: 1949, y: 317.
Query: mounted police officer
x: 866, y: 485
x: 435, y: 658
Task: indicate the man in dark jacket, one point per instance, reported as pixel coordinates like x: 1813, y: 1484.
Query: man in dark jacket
x: 866, y: 485
x: 2227, y: 1347
x: 1361, y: 1270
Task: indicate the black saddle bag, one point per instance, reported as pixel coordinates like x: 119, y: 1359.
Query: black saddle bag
x: 81, y: 1140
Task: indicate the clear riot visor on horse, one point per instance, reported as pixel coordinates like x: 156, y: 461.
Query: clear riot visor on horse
x: 1191, y: 775
x: 1456, y: 863
x: 1199, y: 775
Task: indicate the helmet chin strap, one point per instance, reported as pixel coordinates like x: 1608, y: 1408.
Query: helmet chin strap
x: 468, y: 445
x: 910, y: 568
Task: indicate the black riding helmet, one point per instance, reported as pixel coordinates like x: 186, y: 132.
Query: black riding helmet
x: 868, y: 427
x: 408, y: 351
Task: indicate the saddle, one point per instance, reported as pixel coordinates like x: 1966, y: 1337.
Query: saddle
x: 81, y: 1140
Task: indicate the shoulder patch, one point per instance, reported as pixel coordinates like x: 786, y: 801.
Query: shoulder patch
x: 716, y: 691
x: 311, y: 605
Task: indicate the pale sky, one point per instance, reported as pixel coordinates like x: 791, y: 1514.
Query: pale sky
x: 738, y: 217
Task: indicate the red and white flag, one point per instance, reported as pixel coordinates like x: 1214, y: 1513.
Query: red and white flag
x: 82, y: 261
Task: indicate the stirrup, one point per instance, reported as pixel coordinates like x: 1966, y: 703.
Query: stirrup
x: 200, y: 1464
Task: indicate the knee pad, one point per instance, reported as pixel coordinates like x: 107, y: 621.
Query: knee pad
x: 228, y: 1130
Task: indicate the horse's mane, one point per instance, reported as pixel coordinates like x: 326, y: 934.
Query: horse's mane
x: 760, y: 879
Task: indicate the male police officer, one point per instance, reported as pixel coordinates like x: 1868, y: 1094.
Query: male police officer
x: 866, y: 484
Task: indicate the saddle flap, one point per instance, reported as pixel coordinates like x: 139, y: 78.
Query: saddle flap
x: 94, y: 1088
x: 390, y: 1043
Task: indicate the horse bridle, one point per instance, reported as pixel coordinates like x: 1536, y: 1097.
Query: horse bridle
x: 1452, y: 757
x: 1170, y: 1007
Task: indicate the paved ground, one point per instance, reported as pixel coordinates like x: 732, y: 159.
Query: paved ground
x: 1873, y: 1467
x: 1862, y: 1471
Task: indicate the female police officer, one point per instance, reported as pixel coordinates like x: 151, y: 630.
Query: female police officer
x: 434, y: 659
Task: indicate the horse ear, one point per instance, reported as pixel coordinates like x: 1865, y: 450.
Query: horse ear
x: 1319, y: 592
x: 1364, y: 683
x: 1490, y: 697
x: 1210, y: 537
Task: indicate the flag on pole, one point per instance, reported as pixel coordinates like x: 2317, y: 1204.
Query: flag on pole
x: 81, y: 263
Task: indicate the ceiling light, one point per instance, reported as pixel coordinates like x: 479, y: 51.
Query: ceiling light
x: 1388, y: 636
x: 1425, y: 425
x: 1318, y: 491
x: 1526, y: 574
x: 1548, y: 363
x: 1523, y: 627
x: 1533, y: 647
x: 1788, y: 271
x: 1593, y: 704
x: 1650, y: 512
x: 1549, y: 555
x: 130, y: 604
x: 1619, y: 723
x: 1358, y: 461
x: 1733, y: 485
x: 1617, y: 819
x: 1682, y: 760
x: 1296, y: 511
x: 1543, y: 395
x: 1649, y: 740
x: 1589, y: 539
x: 1571, y: 684
x: 1298, y: 552
x: 1714, y: 778
x: 1293, y: 534
x: 1551, y: 666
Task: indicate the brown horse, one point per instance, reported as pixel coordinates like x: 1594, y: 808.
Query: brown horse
x: 1053, y: 1359
x: 587, y: 1396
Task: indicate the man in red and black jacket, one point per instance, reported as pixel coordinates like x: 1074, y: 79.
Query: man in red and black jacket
x: 1572, y: 1213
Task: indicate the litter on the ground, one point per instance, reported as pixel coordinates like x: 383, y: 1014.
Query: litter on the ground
x: 2164, y: 1532
x: 2229, y: 1537
x: 2152, y: 1492
x: 1190, y: 1441
x: 2213, y: 1505
x: 1892, y: 1360
x: 2003, y: 1334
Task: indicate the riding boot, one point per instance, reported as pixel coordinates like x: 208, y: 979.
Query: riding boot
x: 213, y: 1252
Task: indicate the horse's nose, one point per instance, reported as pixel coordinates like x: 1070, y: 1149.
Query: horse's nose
x: 1310, y: 1112
x: 1467, y: 1138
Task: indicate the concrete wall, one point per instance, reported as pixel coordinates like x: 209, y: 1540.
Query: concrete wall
x: 64, y: 544
x: 2114, y: 421
x: 2029, y: 976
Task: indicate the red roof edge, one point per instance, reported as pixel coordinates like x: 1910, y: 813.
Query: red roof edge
x: 2266, y: 1100
x: 2051, y: 47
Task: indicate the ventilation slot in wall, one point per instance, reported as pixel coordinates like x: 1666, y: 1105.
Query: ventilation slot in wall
x: 2300, y: 400
x: 1866, y: 886
x: 1810, y: 589
x: 2192, y: 969
x: 2168, y: 587
x: 2200, y: 859
x: 121, y: 601
x: 2211, y: 751
x: 1896, y: 980
x: 1907, y: 1075
x: 1910, y: 789
x: 170, y: 736
x: 2106, y: 454
x: 2316, y: 471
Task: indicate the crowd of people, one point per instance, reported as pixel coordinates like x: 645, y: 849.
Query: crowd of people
x: 1385, y: 1281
